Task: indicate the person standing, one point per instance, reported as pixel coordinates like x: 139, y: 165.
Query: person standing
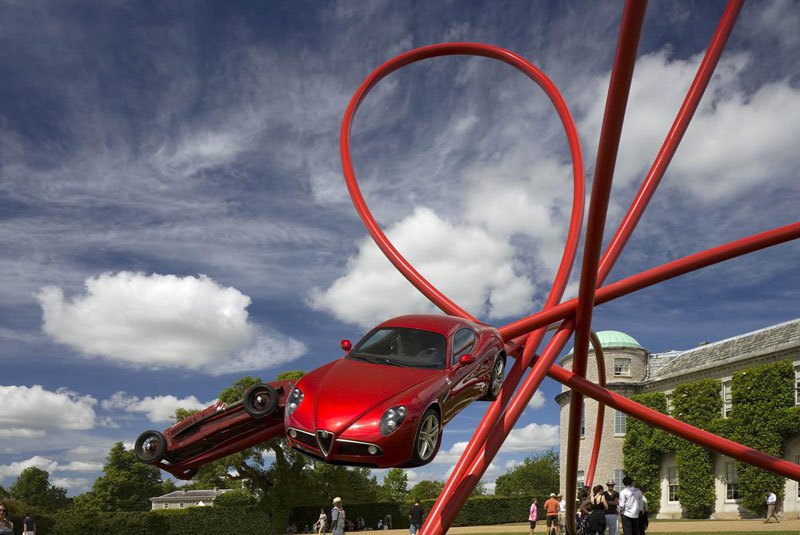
x: 561, y: 513
x: 630, y: 504
x: 6, y: 526
x: 612, y: 514
x: 596, y: 521
x: 337, y: 517
x: 551, y: 509
x: 28, y: 525
x: 415, y: 518
x: 322, y: 522
x: 644, y: 520
x: 533, y: 514
x: 772, y: 500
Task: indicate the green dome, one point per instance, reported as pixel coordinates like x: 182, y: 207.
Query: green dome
x: 613, y: 339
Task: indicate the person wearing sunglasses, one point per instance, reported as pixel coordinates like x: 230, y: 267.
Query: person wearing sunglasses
x: 6, y: 527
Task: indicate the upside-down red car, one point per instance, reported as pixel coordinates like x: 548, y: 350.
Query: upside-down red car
x: 384, y: 404
x: 216, y: 431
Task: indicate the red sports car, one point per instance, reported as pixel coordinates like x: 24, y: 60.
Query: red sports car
x: 384, y: 404
x: 216, y: 431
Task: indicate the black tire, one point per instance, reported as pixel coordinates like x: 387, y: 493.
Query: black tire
x: 260, y: 400
x: 428, y: 438
x: 150, y: 447
x: 496, y: 381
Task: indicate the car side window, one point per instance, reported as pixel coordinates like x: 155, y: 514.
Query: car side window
x: 463, y: 342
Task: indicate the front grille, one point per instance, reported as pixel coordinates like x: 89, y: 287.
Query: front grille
x: 305, y: 438
x: 325, y: 440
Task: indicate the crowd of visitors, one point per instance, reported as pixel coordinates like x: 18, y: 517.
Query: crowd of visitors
x: 599, y: 511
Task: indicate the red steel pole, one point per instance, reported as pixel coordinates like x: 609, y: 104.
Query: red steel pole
x: 618, y: 90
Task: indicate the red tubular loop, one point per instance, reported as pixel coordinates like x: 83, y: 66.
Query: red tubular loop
x: 523, y: 336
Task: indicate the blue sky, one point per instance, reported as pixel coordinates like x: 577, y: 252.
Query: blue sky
x: 173, y: 214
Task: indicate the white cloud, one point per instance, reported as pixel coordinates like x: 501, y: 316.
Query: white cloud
x: 164, y: 321
x: 76, y: 485
x: 15, y: 469
x: 532, y: 437
x: 537, y: 401
x: 17, y: 432
x: 158, y: 409
x: 79, y: 466
x: 30, y: 410
x: 736, y: 140
x: 474, y: 269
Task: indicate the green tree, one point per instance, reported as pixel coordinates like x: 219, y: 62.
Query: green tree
x: 426, y: 490
x: 33, y: 487
x: 536, y: 476
x: 126, y: 484
x: 394, y: 487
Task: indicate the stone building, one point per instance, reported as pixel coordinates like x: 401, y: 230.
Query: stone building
x: 181, y: 499
x: 632, y: 369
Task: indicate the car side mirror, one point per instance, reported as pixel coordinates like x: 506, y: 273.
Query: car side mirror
x: 346, y: 345
x: 466, y: 359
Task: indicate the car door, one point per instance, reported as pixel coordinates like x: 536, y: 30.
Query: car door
x: 463, y: 379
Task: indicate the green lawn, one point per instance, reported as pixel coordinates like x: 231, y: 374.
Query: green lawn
x: 790, y: 532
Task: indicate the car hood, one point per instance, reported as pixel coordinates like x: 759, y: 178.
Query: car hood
x: 350, y: 388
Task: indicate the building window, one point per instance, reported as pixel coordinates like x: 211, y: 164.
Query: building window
x: 581, y: 478
x: 181, y: 505
x: 670, y: 406
x: 731, y: 481
x: 166, y: 506
x: 620, y: 418
x: 672, y: 481
x: 619, y: 475
x: 622, y: 367
x: 797, y: 385
x: 726, y: 399
x: 583, y: 420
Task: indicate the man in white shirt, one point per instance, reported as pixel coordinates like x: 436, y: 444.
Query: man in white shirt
x: 771, y: 513
x: 630, y: 504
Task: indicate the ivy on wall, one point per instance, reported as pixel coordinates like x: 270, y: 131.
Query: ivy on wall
x: 700, y: 405
x: 763, y: 417
x: 643, y: 448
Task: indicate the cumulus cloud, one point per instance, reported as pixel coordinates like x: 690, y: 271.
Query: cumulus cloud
x: 159, y: 409
x: 532, y: 437
x: 470, y: 266
x: 737, y: 139
x: 164, y: 321
x: 15, y: 469
x: 29, y: 411
x: 537, y: 401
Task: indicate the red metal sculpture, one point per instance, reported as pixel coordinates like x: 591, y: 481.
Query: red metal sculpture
x: 523, y: 337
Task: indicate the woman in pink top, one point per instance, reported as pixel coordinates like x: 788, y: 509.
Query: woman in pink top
x: 532, y: 515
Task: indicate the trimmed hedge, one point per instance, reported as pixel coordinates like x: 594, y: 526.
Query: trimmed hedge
x: 44, y: 523
x: 479, y: 510
x: 192, y: 521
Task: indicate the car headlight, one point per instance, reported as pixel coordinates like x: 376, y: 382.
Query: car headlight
x: 392, y: 419
x: 295, y: 398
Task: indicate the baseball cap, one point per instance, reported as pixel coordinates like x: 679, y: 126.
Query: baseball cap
x: 552, y: 494
x: 611, y: 483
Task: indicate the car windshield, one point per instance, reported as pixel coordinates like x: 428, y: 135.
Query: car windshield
x: 401, y: 346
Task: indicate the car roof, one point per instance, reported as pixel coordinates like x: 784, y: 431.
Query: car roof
x: 439, y: 323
